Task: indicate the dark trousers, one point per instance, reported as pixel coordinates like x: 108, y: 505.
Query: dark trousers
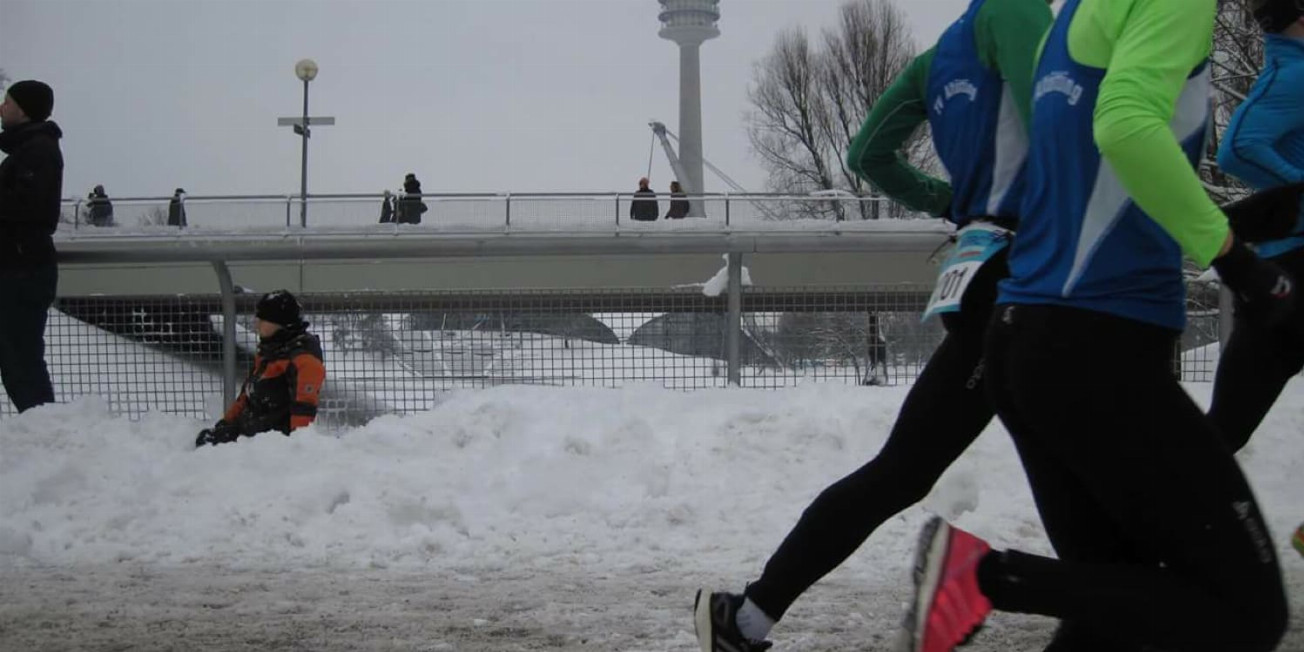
x: 25, y: 299
x: 1160, y: 541
x: 1256, y: 364
x: 944, y: 412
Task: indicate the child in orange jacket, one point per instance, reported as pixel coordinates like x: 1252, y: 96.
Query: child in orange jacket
x: 281, y: 391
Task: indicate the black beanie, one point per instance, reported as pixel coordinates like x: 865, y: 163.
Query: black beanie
x: 279, y: 307
x: 36, y: 99
x: 1275, y: 16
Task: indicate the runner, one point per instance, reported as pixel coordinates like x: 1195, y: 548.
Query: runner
x: 977, y: 81
x: 1264, y: 146
x: 1159, y: 540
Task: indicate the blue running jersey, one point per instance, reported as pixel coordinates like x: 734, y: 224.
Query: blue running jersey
x: 977, y: 131
x: 1082, y: 241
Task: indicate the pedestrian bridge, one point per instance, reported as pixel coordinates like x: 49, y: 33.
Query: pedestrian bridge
x: 765, y: 291
x: 490, y: 241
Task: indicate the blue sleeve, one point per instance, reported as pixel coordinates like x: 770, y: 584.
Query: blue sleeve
x: 1274, y: 109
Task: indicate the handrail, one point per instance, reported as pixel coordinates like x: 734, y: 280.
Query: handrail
x: 510, y: 211
x: 663, y: 196
x: 304, y: 245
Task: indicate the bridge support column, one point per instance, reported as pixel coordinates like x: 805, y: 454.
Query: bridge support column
x: 734, y: 321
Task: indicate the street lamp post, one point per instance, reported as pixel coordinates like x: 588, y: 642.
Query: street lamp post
x: 305, y: 70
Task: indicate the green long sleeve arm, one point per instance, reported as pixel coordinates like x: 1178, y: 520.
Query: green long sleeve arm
x: 1149, y: 48
x: 875, y: 152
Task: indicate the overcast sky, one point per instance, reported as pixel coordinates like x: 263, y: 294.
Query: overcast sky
x: 471, y: 95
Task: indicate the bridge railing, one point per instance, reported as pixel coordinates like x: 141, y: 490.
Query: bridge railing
x: 481, y: 211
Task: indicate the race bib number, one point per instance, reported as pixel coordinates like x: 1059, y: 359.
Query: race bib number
x: 976, y: 244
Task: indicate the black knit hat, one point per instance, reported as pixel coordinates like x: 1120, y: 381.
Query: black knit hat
x: 36, y: 99
x: 279, y: 307
x: 1276, y: 15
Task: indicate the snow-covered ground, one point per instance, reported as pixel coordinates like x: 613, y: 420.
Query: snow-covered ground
x: 515, y: 518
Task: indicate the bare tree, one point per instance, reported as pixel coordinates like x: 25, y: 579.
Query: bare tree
x: 786, y: 127
x: 810, y: 98
x: 1236, y: 61
x: 862, y: 57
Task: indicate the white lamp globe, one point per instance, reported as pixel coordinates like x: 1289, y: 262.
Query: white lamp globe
x: 306, y: 70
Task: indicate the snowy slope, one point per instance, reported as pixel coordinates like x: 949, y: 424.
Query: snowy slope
x: 511, y: 518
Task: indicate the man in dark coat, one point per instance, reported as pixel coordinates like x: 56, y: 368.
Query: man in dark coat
x: 177, y: 208
x: 644, y: 207
x: 99, y: 207
x: 31, y: 183
x: 387, y: 208
x: 410, y: 206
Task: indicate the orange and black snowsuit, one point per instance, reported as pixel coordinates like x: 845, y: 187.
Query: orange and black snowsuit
x: 281, y: 391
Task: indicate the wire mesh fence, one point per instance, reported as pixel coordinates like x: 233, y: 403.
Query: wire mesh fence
x: 1199, y: 346
x: 396, y: 353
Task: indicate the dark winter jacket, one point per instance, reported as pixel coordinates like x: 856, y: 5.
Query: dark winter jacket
x: 100, y: 209
x: 387, y: 210
x: 31, y: 183
x: 410, y: 206
x: 282, y: 389
x: 644, y: 207
x: 177, y: 211
x: 678, y: 206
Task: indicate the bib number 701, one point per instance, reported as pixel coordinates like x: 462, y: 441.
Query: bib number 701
x: 976, y: 244
x: 952, y: 281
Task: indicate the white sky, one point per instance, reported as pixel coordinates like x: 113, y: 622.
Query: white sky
x: 472, y: 95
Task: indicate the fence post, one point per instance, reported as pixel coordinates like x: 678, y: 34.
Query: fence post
x: 727, y: 204
x: 228, y: 331
x: 509, y: 210
x: 289, y: 204
x: 734, y: 322
x: 76, y: 215
x: 617, y: 209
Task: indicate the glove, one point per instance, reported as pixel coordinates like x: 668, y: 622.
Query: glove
x: 1266, y: 215
x: 1267, y: 292
x: 222, y: 432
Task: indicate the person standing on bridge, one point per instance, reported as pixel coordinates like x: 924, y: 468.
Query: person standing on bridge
x: 678, y: 202
x: 177, y: 208
x: 98, y: 207
x: 974, y: 89
x: 31, y: 182
x: 387, y: 208
x: 282, y: 390
x: 410, y: 205
x: 644, y: 206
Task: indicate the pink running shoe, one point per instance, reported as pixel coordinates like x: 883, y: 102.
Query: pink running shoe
x: 948, y: 606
